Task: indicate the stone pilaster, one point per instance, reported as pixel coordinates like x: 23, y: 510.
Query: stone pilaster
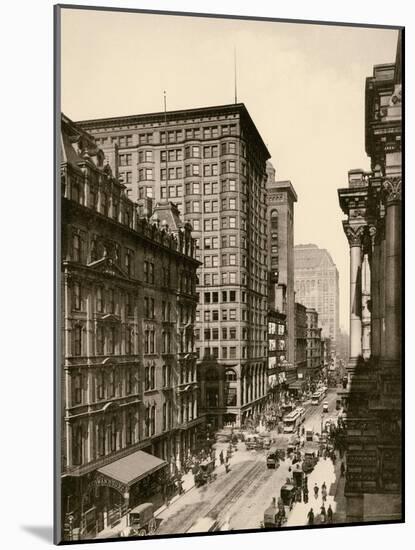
x: 355, y: 235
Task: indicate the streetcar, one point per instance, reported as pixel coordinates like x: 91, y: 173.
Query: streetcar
x: 293, y: 420
x: 317, y: 397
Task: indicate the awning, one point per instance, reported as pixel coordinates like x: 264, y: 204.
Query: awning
x: 132, y: 468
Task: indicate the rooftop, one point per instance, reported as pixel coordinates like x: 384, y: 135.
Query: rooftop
x: 310, y: 256
x: 171, y: 116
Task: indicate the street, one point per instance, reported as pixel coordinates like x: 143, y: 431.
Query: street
x: 239, y: 498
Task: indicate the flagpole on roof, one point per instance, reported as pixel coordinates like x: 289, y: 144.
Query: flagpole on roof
x: 234, y: 71
x: 165, y: 133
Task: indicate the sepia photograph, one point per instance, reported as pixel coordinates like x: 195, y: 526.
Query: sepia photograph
x: 229, y: 283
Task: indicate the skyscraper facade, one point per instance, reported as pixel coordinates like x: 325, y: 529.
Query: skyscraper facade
x: 211, y: 163
x: 317, y: 286
x: 281, y: 197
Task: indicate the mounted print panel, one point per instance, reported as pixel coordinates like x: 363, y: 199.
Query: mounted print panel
x: 229, y: 282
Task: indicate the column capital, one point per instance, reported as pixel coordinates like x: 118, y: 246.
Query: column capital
x: 392, y: 190
x: 354, y: 233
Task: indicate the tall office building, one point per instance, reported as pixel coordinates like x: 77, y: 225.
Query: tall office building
x: 281, y: 197
x: 317, y: 286
x: 211, y: 162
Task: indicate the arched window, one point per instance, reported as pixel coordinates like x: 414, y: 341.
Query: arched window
x: 113, y: 433
x: 101, y: 438
x: 230, y: 375
x: 77, y: 444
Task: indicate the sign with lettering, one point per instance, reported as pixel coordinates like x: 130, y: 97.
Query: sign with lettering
x: 103, y: 481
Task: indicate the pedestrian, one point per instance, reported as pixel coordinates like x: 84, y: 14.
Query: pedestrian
x: 329, y: 514
x: 324, y: 494
x: 310, y: 517
x: 221, y: 457
x: 342, y: 469
x: 316, y: 490
x: 323, y: 514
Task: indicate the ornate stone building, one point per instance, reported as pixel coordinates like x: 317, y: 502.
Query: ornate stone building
x: 372, y: 398
x: 211, y: 162
x: 277, y: 352
x: 281, y: 197
x: 129, y: 395
x: 300, y: 343
x: 314, y: 344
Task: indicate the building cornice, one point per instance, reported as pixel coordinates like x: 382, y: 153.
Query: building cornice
x: 172, y: 116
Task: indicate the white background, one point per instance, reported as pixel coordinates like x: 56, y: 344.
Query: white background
x: 26, y: 352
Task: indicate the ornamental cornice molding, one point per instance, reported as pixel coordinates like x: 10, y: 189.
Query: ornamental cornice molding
x: 392, y: 190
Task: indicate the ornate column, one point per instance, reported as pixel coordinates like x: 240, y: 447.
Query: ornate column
x: 374, y: 290
x: 392, y: 197
x: 366, y: 314
x: 354, y: 235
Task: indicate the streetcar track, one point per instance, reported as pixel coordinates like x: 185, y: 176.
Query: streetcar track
x: 248, y: 478
x: 204, y: 509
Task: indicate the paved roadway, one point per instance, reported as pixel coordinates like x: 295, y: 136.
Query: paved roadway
x: 238, y: 498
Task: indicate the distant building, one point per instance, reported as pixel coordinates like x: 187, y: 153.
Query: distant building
x: 281, y: 197
x: 314, y: 358
x: 210, y: 162
x: 300, y: 340
x: 277, y: 352
x: 317, y: 286
x: 130, y: 402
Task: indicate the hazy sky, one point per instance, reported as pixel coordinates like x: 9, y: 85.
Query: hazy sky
x: 302, y: 84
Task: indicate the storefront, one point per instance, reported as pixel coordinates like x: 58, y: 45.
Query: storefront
x: 100, y: 498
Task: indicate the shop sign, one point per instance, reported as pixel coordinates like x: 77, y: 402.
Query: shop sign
x: 103, y: 481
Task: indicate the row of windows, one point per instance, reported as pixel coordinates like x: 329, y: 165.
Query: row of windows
x: 186, y: 375
x: 213, y: 334
x: 108, y: 341
x: 230, y: 352
x: 227, y: 315
x: 103, y: 202
x: 108, y: 437
x: 213, y: 297
x: 226, y: 260
x: 212, y: 279
x: 116, y: 382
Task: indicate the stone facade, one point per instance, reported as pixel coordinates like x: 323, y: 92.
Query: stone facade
x: 300, y: 339
x: 211, y: 162
x: 128, y: 307
x: 372, y: 398
x: 277, y: 351
x: 314, y: 345
x: 281, y: 197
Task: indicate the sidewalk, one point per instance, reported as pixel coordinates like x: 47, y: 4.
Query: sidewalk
x: 337, y: 490
x: 188, y: 484
x: 113, y: 532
